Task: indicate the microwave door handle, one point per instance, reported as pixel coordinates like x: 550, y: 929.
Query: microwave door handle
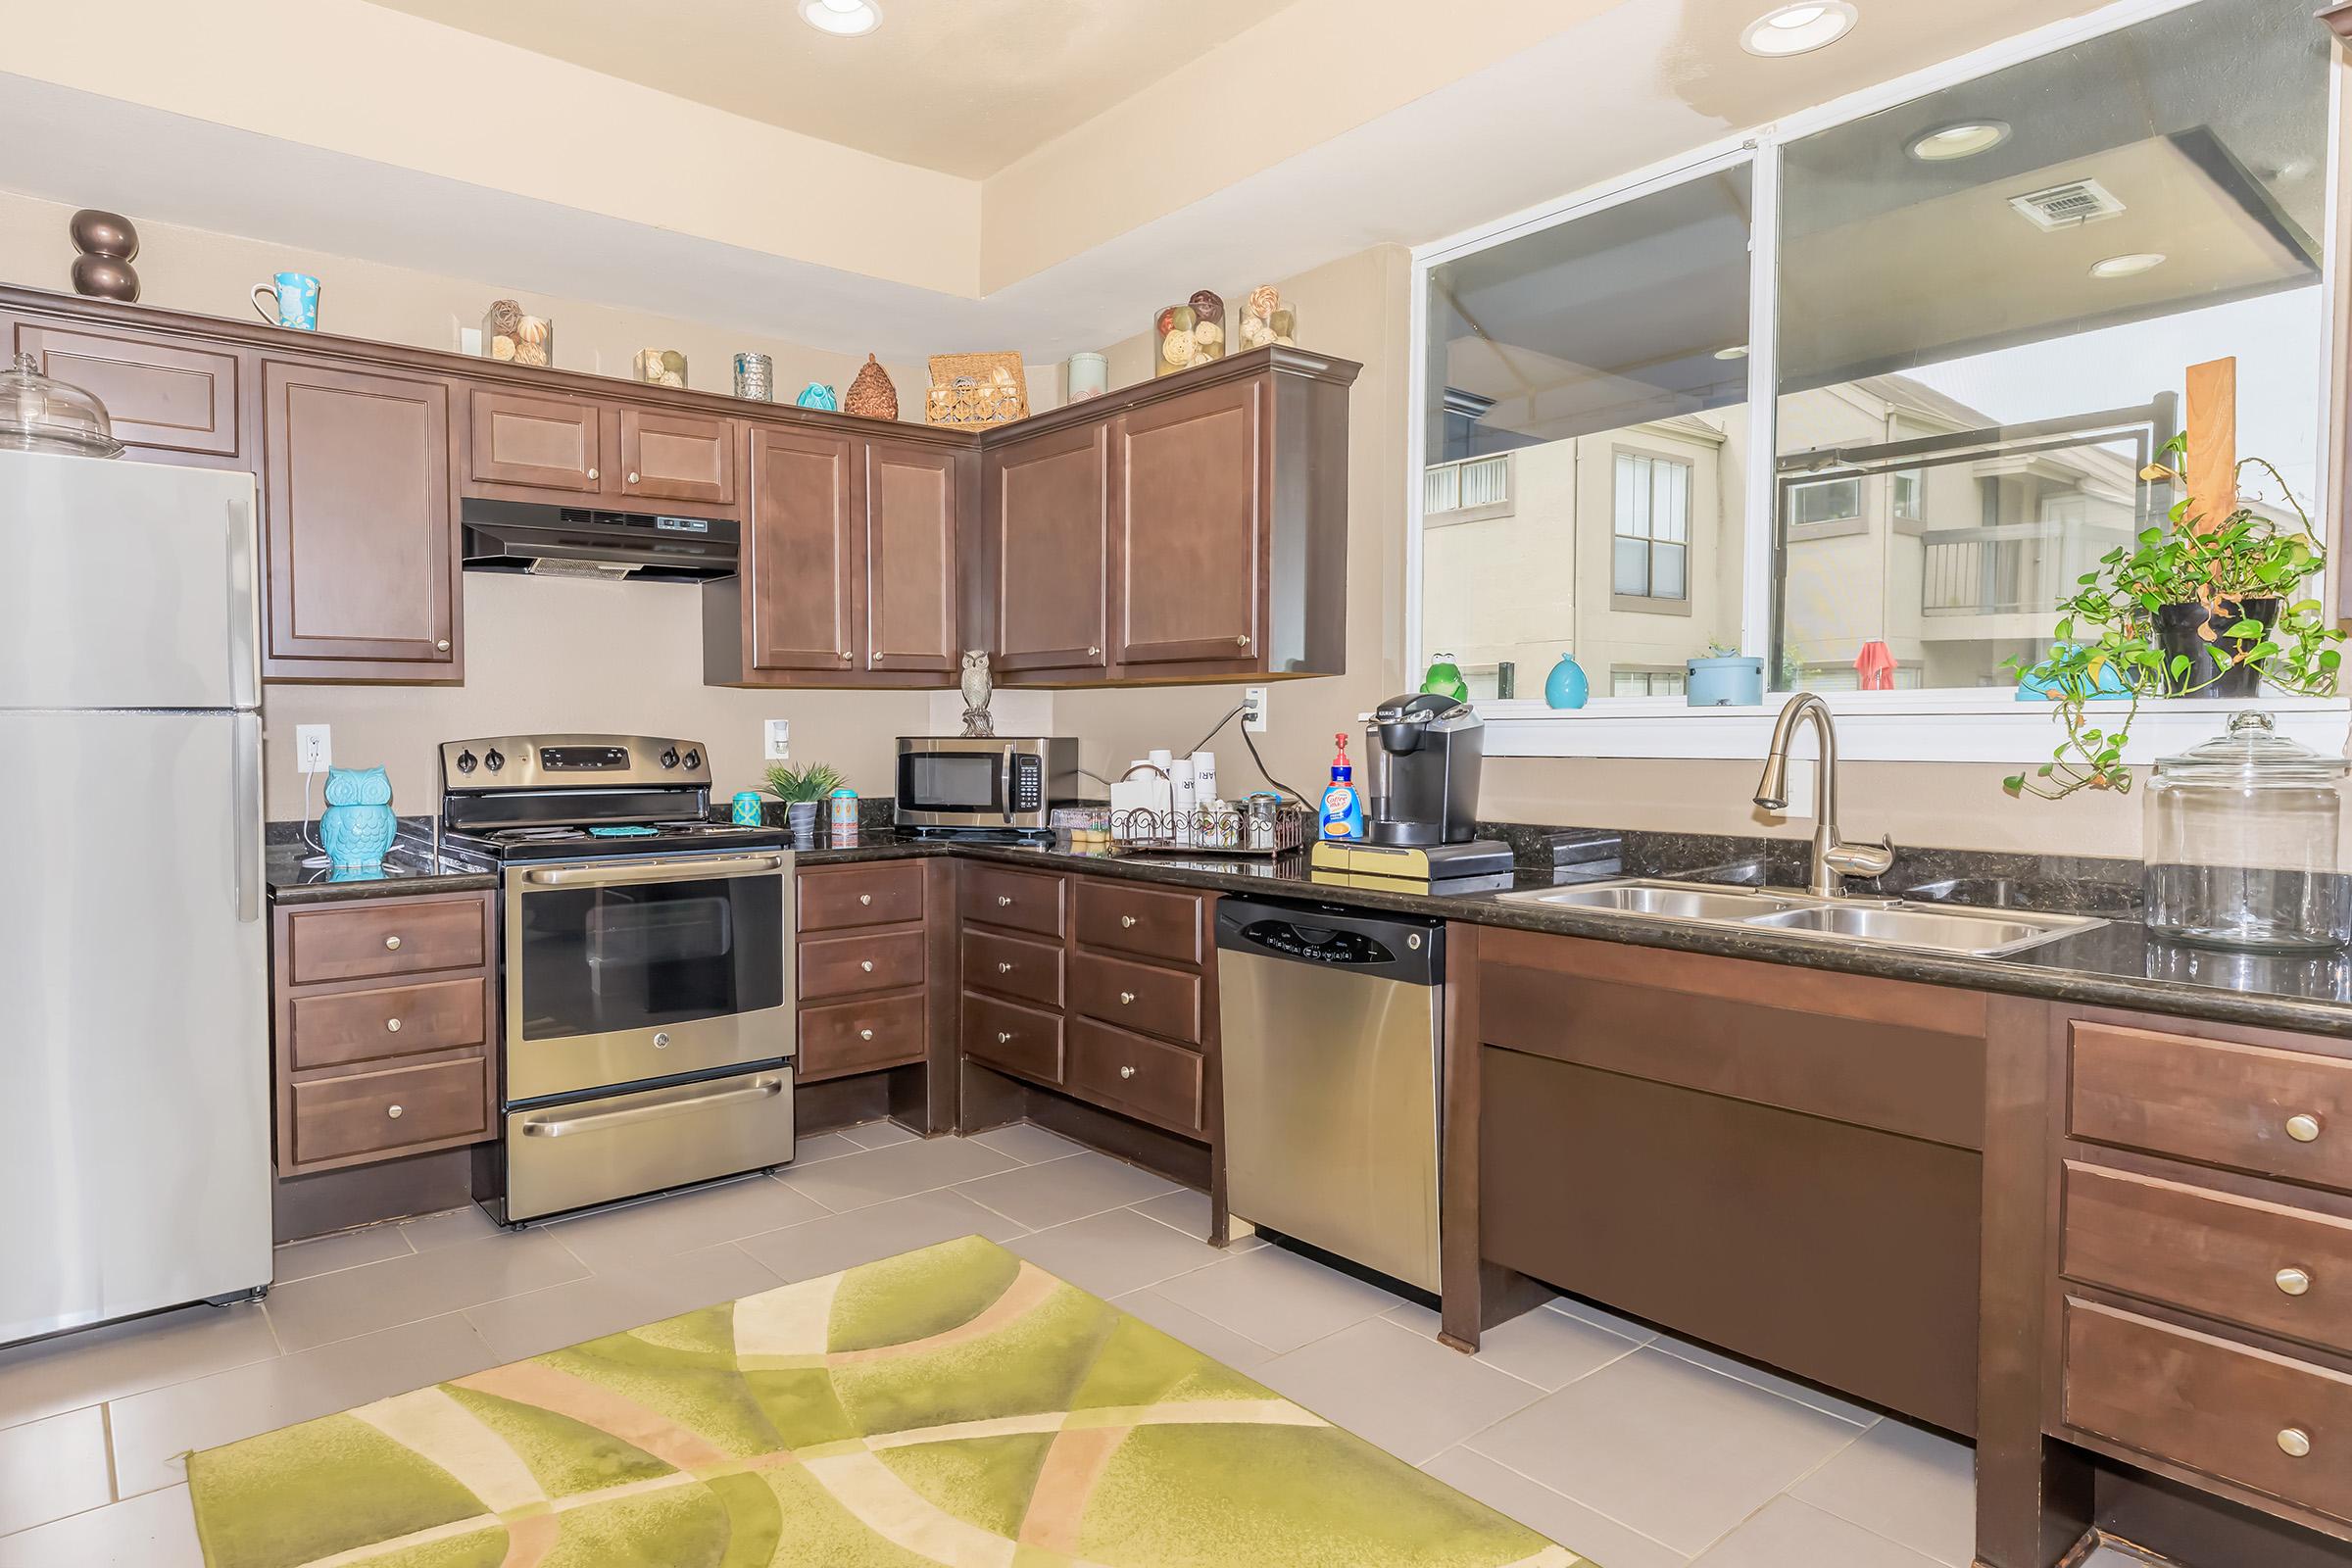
x: 1007, y: 787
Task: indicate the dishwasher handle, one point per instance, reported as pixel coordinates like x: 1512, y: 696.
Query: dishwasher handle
x: 1372, y: 946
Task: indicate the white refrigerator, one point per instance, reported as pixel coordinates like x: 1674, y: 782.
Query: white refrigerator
x: 135, y: 1054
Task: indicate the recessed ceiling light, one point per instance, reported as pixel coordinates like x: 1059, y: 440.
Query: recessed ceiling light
x: 1798, y: 29
x: 2130, y: 265
x: 844, y: 18
x: 1737, y: 351
x: 1965, y: 139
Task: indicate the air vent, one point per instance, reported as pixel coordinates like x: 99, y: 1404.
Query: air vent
x: 547, y: 566
x: 2068, y: 205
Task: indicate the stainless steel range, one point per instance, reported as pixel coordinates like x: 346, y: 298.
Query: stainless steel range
x: 647, y: 963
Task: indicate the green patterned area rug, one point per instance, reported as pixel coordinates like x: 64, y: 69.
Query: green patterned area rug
x: 950, y: 1405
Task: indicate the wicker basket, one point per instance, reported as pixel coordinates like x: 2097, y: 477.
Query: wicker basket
x: 871, y: 395
x: 976, y: 389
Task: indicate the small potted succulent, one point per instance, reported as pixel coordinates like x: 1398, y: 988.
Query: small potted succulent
x: 2196, y: 610
x: 802, y: 790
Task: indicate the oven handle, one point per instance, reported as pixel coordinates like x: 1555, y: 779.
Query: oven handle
x: 598, y: 876
x: 555, y: 1126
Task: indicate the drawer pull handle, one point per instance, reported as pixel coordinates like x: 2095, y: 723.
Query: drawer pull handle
x: 391, y: 944
x: 2303, y: 1129
x: 865, y: 898
x: 392, y: 1111
x: 1003, y: 968
x: 1126, y: 999
x: 1004, y: 900
x: 1126, y: 922
x: 1126, y: 1072
x: 392, y: 1026
x: 866, y: 1034
x: 2293, y: 1281
x: 2294, y: 1442
x: 867, y: 964
x: 1004, y: 1037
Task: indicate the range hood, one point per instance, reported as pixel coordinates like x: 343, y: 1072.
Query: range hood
x: 585, y: 542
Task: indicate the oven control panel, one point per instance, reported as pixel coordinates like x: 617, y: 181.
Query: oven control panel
x: 541, y: 761
x: 582, y: 758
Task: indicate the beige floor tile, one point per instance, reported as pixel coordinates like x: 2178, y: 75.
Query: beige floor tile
x: 1549, y: 1349
x: 1183, y: 1209
x: 683, y: 1222
x: 1600, y: 1317
x: 1666, y: 1447
x: 625, y: 1297
x: 53, y: 1467
x: 1214, y: 1340
x: 93, y: 1365
x: 1907, y: 1484
x: 819, y: 1146
x: 1786, y: 1388
x: 1278, y: 1298
x: 1115, y: 1252
x: 302, y: 1260
x: 878, y: 1133
x: 1028, y: 1142
x: 1789, y: 1534
x: 896, y: 1171
x: 1064, y: 1190
x: 152, y: 1430
x: 402, y: 1289
x: 155, y: 1530
x: 1395, y: 1388
x: 468, y: 1224
x: 880, y: 1230
x: 1562, y: 1519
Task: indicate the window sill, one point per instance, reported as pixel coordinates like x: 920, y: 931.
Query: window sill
x: 1964, y: 727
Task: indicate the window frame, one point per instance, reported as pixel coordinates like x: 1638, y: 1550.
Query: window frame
x: 1650, y: 604
x: 1953, y: 724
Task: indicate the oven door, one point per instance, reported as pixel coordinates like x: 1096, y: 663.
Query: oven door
x: 954, y: 783
x: 622, y: 971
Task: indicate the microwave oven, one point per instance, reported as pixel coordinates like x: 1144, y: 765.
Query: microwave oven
x: 1005, y: 784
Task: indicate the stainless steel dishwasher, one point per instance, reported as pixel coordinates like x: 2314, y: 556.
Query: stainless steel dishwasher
x: 1332, y: 1025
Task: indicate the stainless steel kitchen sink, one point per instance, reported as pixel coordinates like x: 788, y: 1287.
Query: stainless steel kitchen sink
x: 1875, y: 922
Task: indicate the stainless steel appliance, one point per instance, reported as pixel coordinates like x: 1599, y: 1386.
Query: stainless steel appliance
x: 647, y: 967
x: 1007, y: 785
x: 1332, y: 1025
x: 584, y: 542
x: 134, y: 1109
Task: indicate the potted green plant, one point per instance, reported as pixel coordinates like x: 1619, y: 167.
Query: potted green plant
x: 802, y: 790
x: 2188, y: 610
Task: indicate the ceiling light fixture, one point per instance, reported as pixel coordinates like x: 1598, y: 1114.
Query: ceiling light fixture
x: 1737, y: 351
x: 2130, y: 265
x: 1963, y: 139
x: 844, y: 18
x: 1797, y: 29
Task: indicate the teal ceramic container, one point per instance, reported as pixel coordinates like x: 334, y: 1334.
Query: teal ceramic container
x: 1566, y: 686
x: 816, y: 395
x: 1734, y: 682
x: 358, y: 824
x: 746, y: 813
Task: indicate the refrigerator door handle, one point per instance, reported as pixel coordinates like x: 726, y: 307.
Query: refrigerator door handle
x: 245, y: 743
x: 244, y: 607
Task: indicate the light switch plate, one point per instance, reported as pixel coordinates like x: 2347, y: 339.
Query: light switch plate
x: 779, y: 740
x: 313, y: 748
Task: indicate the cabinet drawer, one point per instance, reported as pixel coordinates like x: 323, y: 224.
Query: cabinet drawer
x: 2213, y: 1102
x: 849, y: 966
x: 1136, y: 996
x: 338, y: 1028
x: 2261, y: 1264
x: 387, y: 936
x: 890, y: 894
x: 2211, y: 1405
x: 1023, y: 901
x: 1145, y: 921
x: 1017, y: 1038
x: 1158, y: 1083
x: 859, y: 1036
x: 1026, y: 971
x: 381, y: 1113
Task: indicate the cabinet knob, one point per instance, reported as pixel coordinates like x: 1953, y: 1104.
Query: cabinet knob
x: 867, y: 964
x: 1242, y: 641
x: 441, y: 645
x: 1003, y: 968
x: 2293, y: 1281
x: 633, y: 476
x: 1126, y: 921
x: 2294, y: 1442
x: 391, y: 1026
x: 866, y: 1034
x: 1126, y: 999
x: 847, y: 656
x: 391, y: 944
x: 1004, y: 900
x: 1126, y: 1072
x: 591, y: 473
x: 1094, y: 652
x: 865, y: 898
x: 1004, y: 1037
x: 392, y: 1111
x: 2303, y: 1129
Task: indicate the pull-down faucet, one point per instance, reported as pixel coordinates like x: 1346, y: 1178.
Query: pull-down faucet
x: 1833, y: 859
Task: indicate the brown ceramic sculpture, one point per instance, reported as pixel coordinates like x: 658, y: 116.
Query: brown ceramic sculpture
x: 107, y: 243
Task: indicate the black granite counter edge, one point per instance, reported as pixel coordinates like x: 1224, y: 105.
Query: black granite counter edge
x: 411, y: 868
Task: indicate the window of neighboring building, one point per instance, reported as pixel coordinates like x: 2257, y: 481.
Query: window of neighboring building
x: 1824, y: 501
x: 1910, y: 487
x: 1624, y: 682
x: 1650, y: 554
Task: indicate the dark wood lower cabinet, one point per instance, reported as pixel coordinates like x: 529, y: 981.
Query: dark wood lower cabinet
x: 876, y: 965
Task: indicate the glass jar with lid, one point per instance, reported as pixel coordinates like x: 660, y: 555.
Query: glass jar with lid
x: 39, y: 414
x: 2245, y: 841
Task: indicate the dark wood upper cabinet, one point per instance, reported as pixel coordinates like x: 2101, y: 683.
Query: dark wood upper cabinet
x: 801, y: 568
x: 534, y: 441
x: 358, y: 524
x: 666, y: 456
x: 1191, y: 530
x: 169, y: 401
x: 1047, y: 522
x: 911, y: 558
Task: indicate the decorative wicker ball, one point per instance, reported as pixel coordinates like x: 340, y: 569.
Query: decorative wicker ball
x: 871, y: 394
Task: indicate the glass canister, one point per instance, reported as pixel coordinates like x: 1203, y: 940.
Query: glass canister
x: 2245, y: 843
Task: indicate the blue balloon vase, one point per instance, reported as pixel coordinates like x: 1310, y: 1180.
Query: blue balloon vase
x: 1566, y: 685
x: 358, y: 824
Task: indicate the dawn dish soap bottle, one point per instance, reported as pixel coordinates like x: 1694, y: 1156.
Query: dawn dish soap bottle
x: 1342, y: 807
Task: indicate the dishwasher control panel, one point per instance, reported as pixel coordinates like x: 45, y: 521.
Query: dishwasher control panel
x: 1319, y: 944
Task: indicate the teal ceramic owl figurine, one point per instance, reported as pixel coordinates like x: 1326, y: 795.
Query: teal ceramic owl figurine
x: 358, y: 824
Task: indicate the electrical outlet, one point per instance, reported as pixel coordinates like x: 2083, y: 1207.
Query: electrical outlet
x: 1253, y: 709
x: 779, y: 740
x: 313, y: 748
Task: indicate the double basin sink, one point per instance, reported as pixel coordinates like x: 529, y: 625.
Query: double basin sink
x: 1870, y: 921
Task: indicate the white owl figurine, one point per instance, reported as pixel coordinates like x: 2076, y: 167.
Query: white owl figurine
x: 977, y: 689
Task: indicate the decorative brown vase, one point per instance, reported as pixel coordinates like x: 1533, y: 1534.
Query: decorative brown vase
x: 107, y: 242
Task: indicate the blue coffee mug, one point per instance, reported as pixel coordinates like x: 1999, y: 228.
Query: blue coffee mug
x: 289, y: 299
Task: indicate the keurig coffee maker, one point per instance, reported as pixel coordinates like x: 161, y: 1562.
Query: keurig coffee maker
x: 1423, y: 752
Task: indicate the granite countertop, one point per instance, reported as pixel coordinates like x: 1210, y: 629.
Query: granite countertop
x: 409, y: 866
